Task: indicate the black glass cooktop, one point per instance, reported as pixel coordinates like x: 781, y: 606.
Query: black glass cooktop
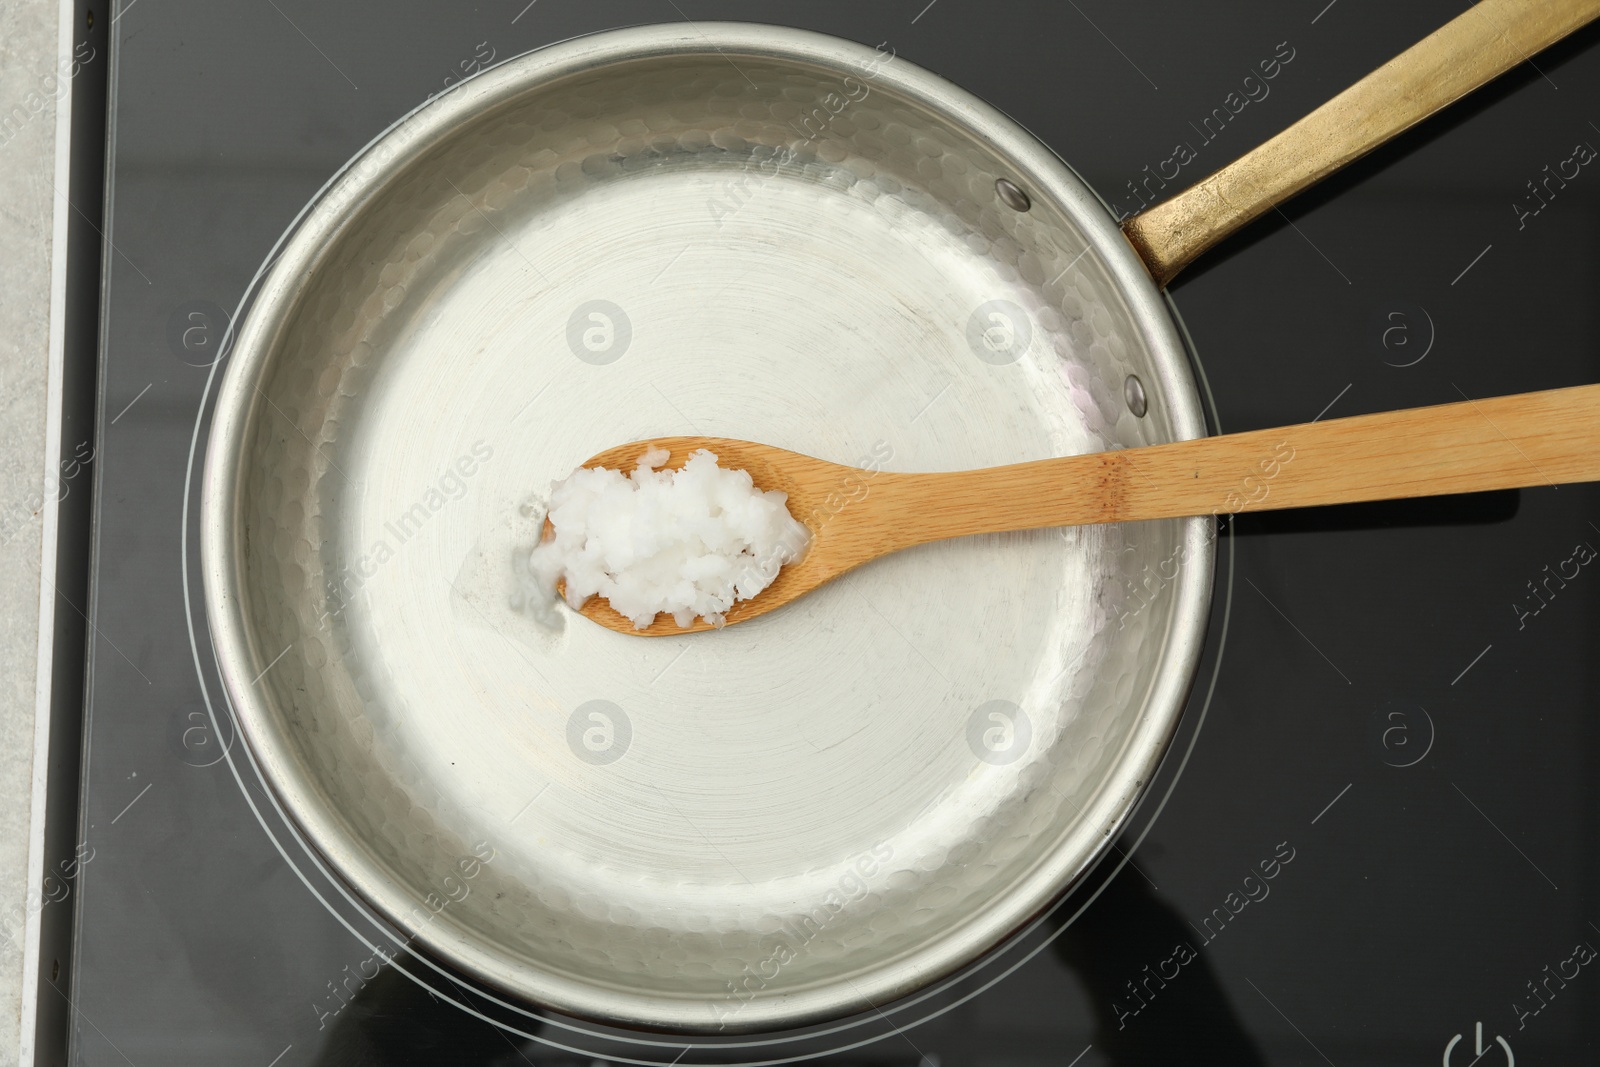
x: 1375, y: 839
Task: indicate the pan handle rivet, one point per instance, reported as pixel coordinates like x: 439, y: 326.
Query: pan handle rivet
x: 1012, y: 196
x: 1133, y: 392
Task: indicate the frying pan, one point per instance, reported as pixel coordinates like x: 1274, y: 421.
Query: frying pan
x: 757, y: 233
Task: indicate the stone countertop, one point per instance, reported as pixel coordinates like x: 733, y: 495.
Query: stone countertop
x: 29, y: 31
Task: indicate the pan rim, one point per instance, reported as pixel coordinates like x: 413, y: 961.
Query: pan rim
x: 1045, y: 174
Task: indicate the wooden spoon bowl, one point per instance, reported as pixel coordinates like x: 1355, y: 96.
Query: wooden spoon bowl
x: 818, y: 492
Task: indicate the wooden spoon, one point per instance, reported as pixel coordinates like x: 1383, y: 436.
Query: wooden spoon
x: 1528, y: 439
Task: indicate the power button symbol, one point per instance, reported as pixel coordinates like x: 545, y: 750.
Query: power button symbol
x: 1478, y: 1048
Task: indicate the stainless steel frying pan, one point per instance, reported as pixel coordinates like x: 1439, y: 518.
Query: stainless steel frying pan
x: 755, y: 233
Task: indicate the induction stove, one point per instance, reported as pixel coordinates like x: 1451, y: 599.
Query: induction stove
x: 1374, y: 838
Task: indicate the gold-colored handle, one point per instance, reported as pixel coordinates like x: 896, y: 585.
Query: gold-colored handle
x: 1470, y: 51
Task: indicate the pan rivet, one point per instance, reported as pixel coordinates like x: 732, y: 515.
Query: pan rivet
x: 1133, y: 392
x: 1014, y: 197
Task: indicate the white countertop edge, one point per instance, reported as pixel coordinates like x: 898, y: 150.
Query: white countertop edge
x: 47, y: 554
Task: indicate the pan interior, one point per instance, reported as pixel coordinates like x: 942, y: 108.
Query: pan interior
x: 830, y: 802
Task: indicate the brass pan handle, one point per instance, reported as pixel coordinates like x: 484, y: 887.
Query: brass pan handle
x: 1468, y: 52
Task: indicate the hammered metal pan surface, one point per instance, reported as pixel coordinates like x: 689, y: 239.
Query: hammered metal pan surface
x: 726, y: 230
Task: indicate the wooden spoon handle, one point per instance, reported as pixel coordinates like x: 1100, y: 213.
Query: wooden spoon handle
x: 1528, y: 439
x: 1471, y: 50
